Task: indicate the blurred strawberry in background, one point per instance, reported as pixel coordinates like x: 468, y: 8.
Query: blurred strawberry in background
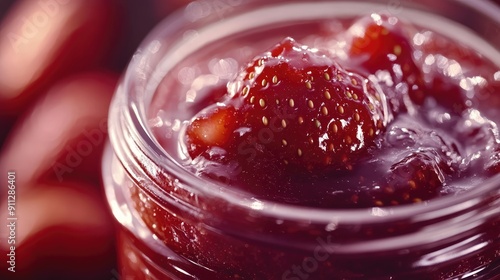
x: 60, y: 61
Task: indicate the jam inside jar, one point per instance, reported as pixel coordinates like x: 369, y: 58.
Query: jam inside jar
x: 176, y: 224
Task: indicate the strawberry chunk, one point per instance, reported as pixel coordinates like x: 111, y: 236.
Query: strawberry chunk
x: 210, y: 130
x: 296, y: 107
x: 381, y: 45
x: 458, y: 78
x: 417, y: 177
x: 413, y: 165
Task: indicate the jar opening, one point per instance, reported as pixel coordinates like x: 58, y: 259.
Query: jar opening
x: 156, y: 59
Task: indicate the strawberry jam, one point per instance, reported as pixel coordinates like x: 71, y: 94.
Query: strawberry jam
x: 377, y: 115
x: 366, y: 149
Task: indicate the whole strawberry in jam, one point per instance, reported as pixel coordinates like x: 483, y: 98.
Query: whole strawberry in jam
x: 292, y: 108
x: 380, y: 45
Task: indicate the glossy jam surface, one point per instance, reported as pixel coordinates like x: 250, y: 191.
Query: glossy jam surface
x: 437, y: 136
x: 433, y: 128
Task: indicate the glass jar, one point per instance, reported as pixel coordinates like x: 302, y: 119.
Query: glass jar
x: 176, y: 225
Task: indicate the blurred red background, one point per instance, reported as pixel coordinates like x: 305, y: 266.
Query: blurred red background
x: 59, y: 63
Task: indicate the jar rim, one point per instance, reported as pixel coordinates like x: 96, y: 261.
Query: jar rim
x: 135, y: 120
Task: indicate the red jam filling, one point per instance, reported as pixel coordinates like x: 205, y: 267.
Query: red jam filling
x: 374, y: 112
x: 377, y: 115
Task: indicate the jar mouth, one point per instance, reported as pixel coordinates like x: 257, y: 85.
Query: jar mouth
x: 137, y: 90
